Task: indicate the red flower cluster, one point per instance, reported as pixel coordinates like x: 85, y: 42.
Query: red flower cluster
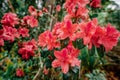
x: 65, y: 58
x: 24, y: 32
x: 27, y: 49
x: 76, y: 8
x: 8, y: 32
x: 20, y: 72
x: 95, y: 3
x: 30, y: 20
x: 10, y: 19
x: 49, y: 40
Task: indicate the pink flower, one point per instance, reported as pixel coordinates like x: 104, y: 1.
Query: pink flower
x: 65, y: 58
x: 28, y: 48
x: 110, y: 39
x: 9, y: 19
x: 24, y: 32
x: 20, y: 72
x: 95, y: 3
x: 58, y: 8
x: 32, y: 11
x: 47, y: 39
x: 30, y: 20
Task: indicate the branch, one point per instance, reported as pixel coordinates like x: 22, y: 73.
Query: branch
x: 11, y: 7
x: 40, y: 68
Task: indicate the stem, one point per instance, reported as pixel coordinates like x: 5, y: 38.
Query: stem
x: 11, y: 7
x: 40, y: 68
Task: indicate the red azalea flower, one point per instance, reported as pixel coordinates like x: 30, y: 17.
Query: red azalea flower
x: 32, y: 11
x: 88, y: 29
x: 9, y: 19
x: 58, y: 8
x: 30, y: 20
x: 100, y: 31
x: 65, y: 58
x: 47, y: 39
x: 27, y: 49
x: 19, y: 72
x: 24, y: 32
x: 95, y: 3
x: 76, y: 8
x: 110, y: 39
x: 9, y: 33
x: 65, y: 30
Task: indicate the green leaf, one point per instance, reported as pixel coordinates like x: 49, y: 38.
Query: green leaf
x: 78, y: 44
x: 101, y: 51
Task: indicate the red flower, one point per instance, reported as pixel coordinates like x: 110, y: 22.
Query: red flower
x: 24, y: 32
x: 88, y: 30
x: 44, y: 10
x: 28, y: 48
x: 76, y: 8
x: 19, y: 72
x: 65, y: 30
x: 100, y: 31
x: 65, y: 58
x: 47, y: 39
x: 95, y: 3
x: 32, y: 11
x: 110, y: 39
x: 40, y: 13
x: 58, y: 8
x: 9, y: 19
x: 30, y: 20
x: 9, y: 33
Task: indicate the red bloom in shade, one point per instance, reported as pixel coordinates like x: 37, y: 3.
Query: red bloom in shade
x: 24, y: 32
x: 65, y: 58
x: 9, y: 33
x: 110, y: 39
x: 28, y: 48
x: 47, y: 39
x: 95, y: 3
x: 32, y: 11
x: 9, y: 19
x: 88, y: 30
x: 58, y: 8
x: 20, y: 72
x: 30, y: 20
x: 45, y: 71
x: 1, y: 42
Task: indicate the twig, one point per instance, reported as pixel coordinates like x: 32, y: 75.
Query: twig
x: 11, y: 7
x: 38, y: 72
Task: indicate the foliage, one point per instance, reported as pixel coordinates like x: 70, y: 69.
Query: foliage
x: 55, y: 40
